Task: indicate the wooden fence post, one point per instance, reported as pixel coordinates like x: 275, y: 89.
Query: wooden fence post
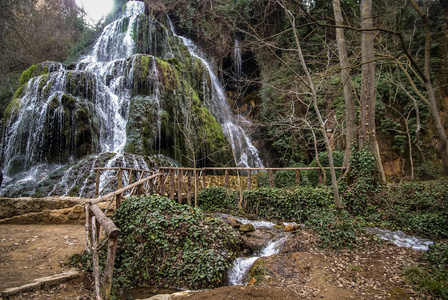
x: 204, y: 174
x: 96, y: 272
x: 189, y: 188
x: 162, y: 184
x: 119, y: 186
x: 97, y: 183
x: 172, y: 184
x: 271, y: 178
x: 319, y: 172
x: 88, y: 227
x: 109, y: 269
x: 249, y: 179
x: 226, y: 178
x: 179, y: 186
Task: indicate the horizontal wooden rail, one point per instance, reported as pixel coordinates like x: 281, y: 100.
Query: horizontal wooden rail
x: 255, y: 169
x: 105, y: 222
x: 126, y: 188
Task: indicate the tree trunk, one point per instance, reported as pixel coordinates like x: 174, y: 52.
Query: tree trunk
x: 350, y: 118
x: 368, y: 131
x: 334, y: 184
x: 443, y: 144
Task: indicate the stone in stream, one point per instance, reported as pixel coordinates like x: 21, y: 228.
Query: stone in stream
x: 233, y: 222
x: 288, y: 228
x: 247, y: 227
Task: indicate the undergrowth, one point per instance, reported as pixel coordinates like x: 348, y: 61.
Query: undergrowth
x: 431, y: 276
x: 166, y: 244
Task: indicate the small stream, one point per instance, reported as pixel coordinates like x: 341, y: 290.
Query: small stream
x: 238, y: 273
x: 400, y: 239
x: 277, y: 237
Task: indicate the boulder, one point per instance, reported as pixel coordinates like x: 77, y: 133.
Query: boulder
x: 247, y: 227
x: 233, y: 222
x: 288, y: 228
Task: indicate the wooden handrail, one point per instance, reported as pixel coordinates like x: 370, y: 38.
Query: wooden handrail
x: 120, y: 191
x: 256, y: 169
x: 105, y: 222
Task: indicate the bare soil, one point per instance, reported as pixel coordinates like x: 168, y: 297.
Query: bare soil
x: 300, y: 271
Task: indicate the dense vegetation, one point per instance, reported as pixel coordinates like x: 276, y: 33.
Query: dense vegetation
x: 167, y: 244
x: 418, y: 208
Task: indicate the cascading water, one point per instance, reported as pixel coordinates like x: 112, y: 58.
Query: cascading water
x: 237, y: 60
x: 241, y: 265
x: 245, y: 152
x: 74, y: 113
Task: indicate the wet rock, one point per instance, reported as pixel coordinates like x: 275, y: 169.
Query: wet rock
x: 288, y: 228
x: 247, y: 227
x: 233, y: 222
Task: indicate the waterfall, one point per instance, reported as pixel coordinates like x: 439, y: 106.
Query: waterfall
x: 245, y: 152
x: 237, y: 60
x: 64, y: 114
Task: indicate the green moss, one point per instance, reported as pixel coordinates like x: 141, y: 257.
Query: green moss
x: 168, y: 74
x: 14, y: 104
x: 29, y: 73
x: 68, y: 102
x: 258, y: 271
x: 33, y: 71
x: 144, y: 64
x: 213, y: 129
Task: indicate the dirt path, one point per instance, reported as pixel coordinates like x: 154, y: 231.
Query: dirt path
x: 28, y: 252
x: 300, y: 271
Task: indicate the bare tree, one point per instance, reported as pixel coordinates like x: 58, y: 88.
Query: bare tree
x: 350, y: 117
x: 310, y: 85
x: 367, y: 117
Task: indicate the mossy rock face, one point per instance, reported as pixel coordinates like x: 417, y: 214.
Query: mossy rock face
x: 164, y: 102
x: 151, y: 37
x: 39, y: 69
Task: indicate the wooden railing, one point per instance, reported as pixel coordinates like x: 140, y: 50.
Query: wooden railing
x: 182, y: 183
x: 97, y: 219
x: 173, y: 182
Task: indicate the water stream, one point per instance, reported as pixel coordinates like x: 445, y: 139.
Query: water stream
x: 400, y: 239
x: 238, y: 273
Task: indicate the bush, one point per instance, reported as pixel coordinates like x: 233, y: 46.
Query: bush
x: 337, y: 230
x: 163, y: 243
x: 269, y: 203
x: 432, y: 274
x: 217, y: 198
x: 364, y: 182
x: 313, y: 175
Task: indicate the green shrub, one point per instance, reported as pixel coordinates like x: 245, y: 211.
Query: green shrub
x: 363, y: 182
x: 431, y: 276
x: 313, y: 175
x: 263, y: 179
x: 284, y: 178
x: 163, y: 243
x: 269, y: 203
x: 337, y: 230
x: 217, y: 198
x: 417, y: 207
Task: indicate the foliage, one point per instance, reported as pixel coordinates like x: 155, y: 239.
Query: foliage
x: 431, y: 275
x: 313, y: 175
x: 269, y: 203
x: 167, y: 244
x: 337, y: 229
x: 217, y: 198
x: 363, y: 181
x: 417, y: 207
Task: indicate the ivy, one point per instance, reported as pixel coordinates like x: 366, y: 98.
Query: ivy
x: 167, y: 244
